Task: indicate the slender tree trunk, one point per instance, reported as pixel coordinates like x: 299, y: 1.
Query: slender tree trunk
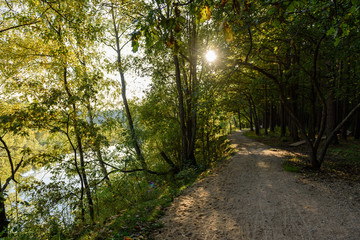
x: 331, y: 116
x: 257, y: 122
x: 208, y: 144
x: 181, y: 110
x: 251, y: 118
x: 235, y: 122
x: 239, y: 115
x: 3, y: 220
x: 193, y: 94
x: 357, y: 126
x: 82, y: 208
x: 84, y: 177
x: 344, y: 81
x: 333, y: 133
x: 292, y: 126
x: 272, y: 117
x: 79, y: 143
x: 97, y: 147
x: 312, y: 118
x: 256, y: 118
x: 266, y: 111
x: 282, y: 120
x: 345, y: 107
x: 123, y: 94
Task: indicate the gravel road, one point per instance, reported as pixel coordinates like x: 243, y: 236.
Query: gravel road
x: 251, y: 197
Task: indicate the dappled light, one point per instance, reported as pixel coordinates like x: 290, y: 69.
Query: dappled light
x: 110, y: 110
x: 263, y: 164
x: 244, y: 200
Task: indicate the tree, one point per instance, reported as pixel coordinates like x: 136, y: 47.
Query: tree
x: 177, y: 27
x: 15, y: 154
x: 279, y: 47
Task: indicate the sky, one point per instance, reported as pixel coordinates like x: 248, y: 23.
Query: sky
x: 135, y: 84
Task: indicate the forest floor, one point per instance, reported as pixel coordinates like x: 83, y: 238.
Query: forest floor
x: 250, y: 196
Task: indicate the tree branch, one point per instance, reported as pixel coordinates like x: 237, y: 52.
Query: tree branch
x: 18, y: 26
x: 251, y: 45
x: 12, y: 177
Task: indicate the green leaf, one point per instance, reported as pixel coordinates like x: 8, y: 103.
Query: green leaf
x: 331, y: 31
x: 337, y: 41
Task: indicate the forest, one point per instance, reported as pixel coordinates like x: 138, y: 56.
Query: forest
x: 123, y: 103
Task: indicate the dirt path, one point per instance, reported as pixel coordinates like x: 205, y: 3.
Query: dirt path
x: 252, y: 197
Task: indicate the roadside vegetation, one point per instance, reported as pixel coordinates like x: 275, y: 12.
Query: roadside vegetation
x: 342, y: 160
x: 124, y: 102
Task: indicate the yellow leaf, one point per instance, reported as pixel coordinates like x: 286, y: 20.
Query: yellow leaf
x: 204, y: 14
x: 228, y: 33
x: 208, y: 13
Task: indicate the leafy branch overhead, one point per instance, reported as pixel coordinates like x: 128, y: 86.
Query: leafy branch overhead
x: 119, y: 104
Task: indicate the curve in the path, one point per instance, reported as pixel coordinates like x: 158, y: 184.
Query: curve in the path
x: 252, y: 197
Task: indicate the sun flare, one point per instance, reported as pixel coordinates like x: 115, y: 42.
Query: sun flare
x: 210, y: 56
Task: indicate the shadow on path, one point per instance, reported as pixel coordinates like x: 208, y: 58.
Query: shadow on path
x: 251, y: 197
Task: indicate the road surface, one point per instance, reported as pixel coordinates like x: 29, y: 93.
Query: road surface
x: 251, y: 197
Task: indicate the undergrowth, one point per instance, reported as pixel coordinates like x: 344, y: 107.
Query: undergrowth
x: 132, y: 210
x: 341, y: 161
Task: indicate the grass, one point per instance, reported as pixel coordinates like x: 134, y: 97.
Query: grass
x: 344, y: 159
x: 341, y: 161
x: 139, y: 218
x: 289, y: 166
x: 272, y: 139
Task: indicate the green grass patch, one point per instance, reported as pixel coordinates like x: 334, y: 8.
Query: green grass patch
x: 343, y: 160
x: 289, y: 166
x: 272, y: 138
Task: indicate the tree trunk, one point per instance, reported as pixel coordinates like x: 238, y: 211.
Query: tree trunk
x: 97, y: 147
x: 294, y: 133
x: 79, y: 142
x: 84, y: 177
x: 194, y: 93
x: 282, y: 120
x: 3, y: 220
x: 345, y: 106
x: 312, y: 118
x: 235, y: 122
x: 255, y: 115
x: 239, y: 115
x: 357, y: 126
x: 123, y: 94
x: 333, y: 133
x: 251, y: 118
x: 82, y: 215
x: 257, y: 123
x: 181, y: 111
x: 272, y: 118
x: 331, y: 116
x: 266, y: 110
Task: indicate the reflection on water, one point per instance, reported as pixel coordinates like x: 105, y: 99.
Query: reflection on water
x: 55, y: 188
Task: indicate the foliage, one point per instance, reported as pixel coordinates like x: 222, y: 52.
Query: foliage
x: 65, y: 110
x: 288, y: 166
